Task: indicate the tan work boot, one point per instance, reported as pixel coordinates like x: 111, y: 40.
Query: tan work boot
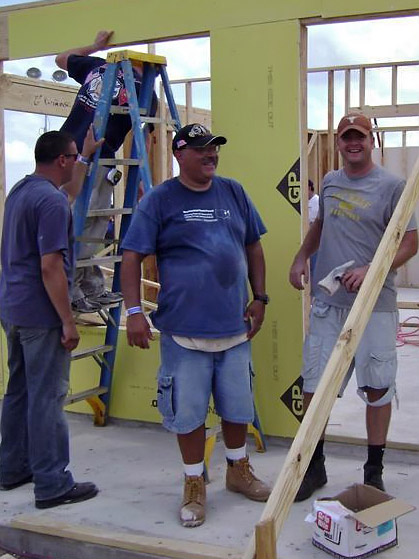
x: 240, y: 479
x: 192, y: 511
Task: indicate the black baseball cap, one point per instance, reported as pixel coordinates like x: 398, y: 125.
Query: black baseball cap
x: 196, y: 136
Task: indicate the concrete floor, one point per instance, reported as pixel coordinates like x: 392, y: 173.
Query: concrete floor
x: 139, y: 473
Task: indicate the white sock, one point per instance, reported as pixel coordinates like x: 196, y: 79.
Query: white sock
x: 194, y: 469
x: 235, y: 453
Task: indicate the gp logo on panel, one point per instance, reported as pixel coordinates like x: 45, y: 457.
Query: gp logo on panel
x: 290, y: 187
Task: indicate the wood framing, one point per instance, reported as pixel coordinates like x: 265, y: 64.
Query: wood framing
x: 153, y: 546
x: 36, y: 96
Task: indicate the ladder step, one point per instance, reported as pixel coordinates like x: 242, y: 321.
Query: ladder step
x: 109, y: 211
x: 98, y: 261
x: 115, y: 109
x: 127, y: 161
x: 135, y: 56
x: 87, y: 352
x: 80, y: 396
x: 98, y: 241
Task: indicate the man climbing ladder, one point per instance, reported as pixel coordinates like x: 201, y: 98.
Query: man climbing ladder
x: 121, y: 67
x: 89, y: 293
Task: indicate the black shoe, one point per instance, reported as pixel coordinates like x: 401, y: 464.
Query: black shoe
x: 9, y: 486
x: 315, y: 477
x: 373, y: 475
x: 106, y: 298
x: 80, y: 492
x: 85, y: 306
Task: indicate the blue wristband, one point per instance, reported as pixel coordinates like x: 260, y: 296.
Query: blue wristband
x: 133, y: 310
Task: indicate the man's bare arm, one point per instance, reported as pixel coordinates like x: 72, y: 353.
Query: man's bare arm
x: 138, y: 329
x: 90, y: 145
x: 56, y: 285
x: 408, y: 247
x: 255, y: 311
x: 310, y: 244
x: 101, y: 42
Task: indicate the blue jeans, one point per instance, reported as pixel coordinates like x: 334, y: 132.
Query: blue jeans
x: 187, y: 378
x: 34, y: 431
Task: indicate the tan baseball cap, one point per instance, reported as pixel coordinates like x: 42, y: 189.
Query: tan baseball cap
x: 354, y: 121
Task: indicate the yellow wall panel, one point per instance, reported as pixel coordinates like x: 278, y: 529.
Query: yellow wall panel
x: 49, y: 29
x: 255, y: 103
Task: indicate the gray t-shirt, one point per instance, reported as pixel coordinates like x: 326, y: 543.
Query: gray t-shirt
x: 355, y: 213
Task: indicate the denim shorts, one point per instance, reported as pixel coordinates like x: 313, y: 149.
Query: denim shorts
x: 187, y: 378
x: 375, y: 360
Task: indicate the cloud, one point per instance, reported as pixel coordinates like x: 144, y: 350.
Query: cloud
x: 18, y: 151
x: 385, y: 40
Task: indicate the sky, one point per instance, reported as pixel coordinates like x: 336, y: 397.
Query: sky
x: 387, y: 40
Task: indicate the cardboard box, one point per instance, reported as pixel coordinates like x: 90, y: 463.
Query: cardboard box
x: 356, y: 523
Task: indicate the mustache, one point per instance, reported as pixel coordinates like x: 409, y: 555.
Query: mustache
x: 210, y: 159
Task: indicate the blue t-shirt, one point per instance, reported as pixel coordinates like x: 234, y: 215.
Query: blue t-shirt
x: 89, y: 71
x: 37, y: 221
x: 200, y: 241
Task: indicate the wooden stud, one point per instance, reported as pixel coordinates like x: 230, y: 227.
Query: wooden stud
x: 152, y: 545
x: 394, y: 84
x: 298, y: 458
x: 330, y: 124
x: 265, y: 539
x: 347, y: 90
x: 188, y: 101
x: 304, y: 151
x: 362, y: 87
x: 4, y: 36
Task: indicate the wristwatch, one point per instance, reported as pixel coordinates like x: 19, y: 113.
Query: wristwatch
x: 264, y: 298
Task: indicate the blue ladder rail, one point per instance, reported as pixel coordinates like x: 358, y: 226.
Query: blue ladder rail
x: 139, y: 107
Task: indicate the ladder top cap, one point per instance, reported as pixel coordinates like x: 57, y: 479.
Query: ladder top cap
x: 137, y: 58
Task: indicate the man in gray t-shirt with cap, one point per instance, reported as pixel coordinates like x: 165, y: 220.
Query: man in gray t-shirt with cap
x: 356, y: 204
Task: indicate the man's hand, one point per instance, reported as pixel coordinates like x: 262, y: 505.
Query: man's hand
x: 255, y: 313
x: 352, y: 280
x: 90, y: 144
x: 102, y: 39
x: 298, y: 269
x: 138, y: 331
x: 70, y: 338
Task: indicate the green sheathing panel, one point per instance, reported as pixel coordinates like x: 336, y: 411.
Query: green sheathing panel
x: 134, y: 378
x: 42, y: 30
x: 332, y: 9
x: 255, y: 103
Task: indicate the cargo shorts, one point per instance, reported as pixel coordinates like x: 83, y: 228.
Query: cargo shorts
x: 375, y: 360
x: 187, y: 378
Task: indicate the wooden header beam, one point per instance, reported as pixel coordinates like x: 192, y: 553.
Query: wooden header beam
x: 35, y: 96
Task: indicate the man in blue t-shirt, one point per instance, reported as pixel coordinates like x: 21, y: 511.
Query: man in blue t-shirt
x: 205, y: 233
x: 89, y: 292
x: 35, y: 312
